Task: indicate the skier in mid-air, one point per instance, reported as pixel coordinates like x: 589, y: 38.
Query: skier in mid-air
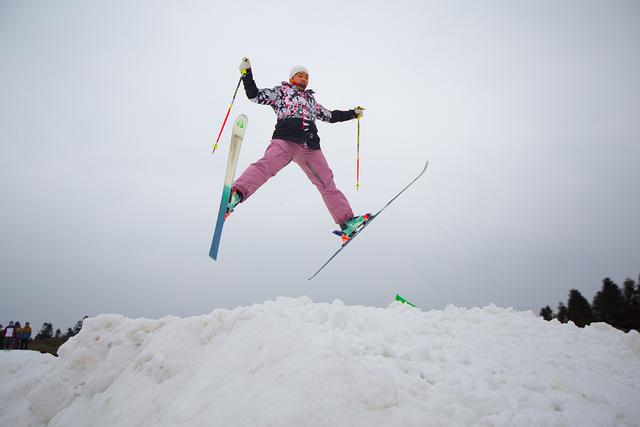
x: 296, y: 139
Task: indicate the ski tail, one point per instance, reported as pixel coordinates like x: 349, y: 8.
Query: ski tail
x: 217, y: 233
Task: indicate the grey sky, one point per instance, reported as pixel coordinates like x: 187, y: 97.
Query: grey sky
x: 528, y: 112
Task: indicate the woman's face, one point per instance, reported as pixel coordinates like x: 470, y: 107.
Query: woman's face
x: 300, y: 79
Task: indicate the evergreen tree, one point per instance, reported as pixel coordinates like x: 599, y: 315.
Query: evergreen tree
x: 78, y: 325
x: 546, y: 313
x: 579, y: 310
x: 46, y: 331
x: 563, y: 313
x: 608, y: 304
x: 631, y: 317
x: 58, y: 333
x: 630, y: 293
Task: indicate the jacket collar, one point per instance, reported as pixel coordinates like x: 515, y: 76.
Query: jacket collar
x: 287, y: 84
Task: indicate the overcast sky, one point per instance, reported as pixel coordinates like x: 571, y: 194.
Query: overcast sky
x: 529, y: 113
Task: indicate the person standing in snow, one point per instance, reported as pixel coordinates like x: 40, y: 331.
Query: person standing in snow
x: 295, y: 139
x: 17, y: 327
x: 25, y: 336
x: 9, y: 333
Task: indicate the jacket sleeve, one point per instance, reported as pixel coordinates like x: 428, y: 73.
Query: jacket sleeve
x: 334, y: 116
x: 259, y: 96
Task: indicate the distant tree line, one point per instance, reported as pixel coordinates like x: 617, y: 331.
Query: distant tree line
x: 46, y: 332
x: 619, y: 307
x: 48, y: 340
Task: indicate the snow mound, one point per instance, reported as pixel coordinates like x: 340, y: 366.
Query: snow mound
x: 20, y: 372
x: 292, y: 362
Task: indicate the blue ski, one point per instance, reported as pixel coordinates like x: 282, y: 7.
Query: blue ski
x: 237, y: 134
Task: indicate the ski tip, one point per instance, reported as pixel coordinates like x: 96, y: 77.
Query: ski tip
x: 240, y: 126
x: 241, y: 121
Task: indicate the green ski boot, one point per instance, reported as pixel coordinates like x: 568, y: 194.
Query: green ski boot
x: 351, y: 226
x: 234, y: 199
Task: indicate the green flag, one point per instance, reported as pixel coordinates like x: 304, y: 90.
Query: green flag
x: 404, y: 301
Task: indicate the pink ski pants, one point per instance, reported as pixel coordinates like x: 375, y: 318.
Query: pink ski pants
x: 278, y: 155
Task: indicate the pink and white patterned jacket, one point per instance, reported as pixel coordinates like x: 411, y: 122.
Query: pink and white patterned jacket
x: 296, y: 110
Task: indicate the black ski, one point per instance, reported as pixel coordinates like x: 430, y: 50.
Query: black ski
x: 368, y: 222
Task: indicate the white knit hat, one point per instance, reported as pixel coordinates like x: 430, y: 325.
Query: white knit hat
x: 297, y: 69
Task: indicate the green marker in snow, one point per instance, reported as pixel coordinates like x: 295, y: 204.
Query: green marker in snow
x: 404, y: 301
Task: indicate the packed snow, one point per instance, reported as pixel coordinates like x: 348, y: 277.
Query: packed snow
x: 292, y: 362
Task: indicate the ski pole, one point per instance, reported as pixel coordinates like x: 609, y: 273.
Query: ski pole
x: 215, y: 146
x: 358, y: 157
